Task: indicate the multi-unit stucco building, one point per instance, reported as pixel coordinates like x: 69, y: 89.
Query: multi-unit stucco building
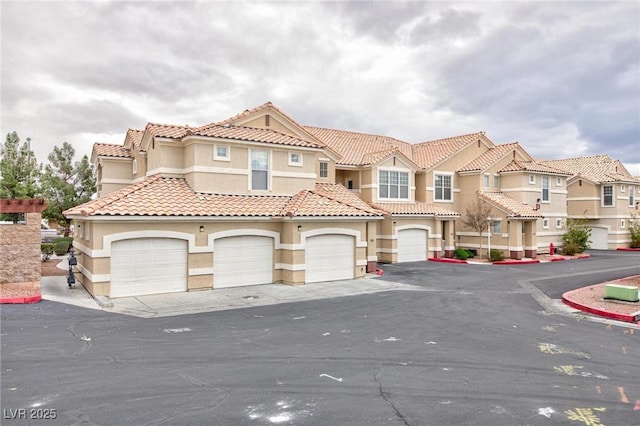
x: 259, y: 198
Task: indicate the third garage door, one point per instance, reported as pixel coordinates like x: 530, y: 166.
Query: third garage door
x: 329, y: 258
x: 412, y: 245
x: 243, y: 260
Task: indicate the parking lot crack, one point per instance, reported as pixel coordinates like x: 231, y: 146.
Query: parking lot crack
x: 386, y: 397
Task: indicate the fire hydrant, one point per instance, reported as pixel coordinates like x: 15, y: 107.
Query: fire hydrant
x: 552, y: 249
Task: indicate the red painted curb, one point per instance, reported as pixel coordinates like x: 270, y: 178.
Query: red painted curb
x: 21, y: 300
x: 446, y: 260
x: 620, y: 317
x: 628, y: 249
x: 515, y: 262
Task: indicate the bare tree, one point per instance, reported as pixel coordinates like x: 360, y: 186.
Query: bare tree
x: 476, y: 217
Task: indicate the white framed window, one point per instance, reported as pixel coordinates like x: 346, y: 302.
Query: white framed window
x: 295, y: 159
x: 349, y: 184
x: 558, y: 223
x: 485, y: 181
x: 558, y: 181
x: 545, y: 223
x: 221, y: 152
x: 442, y: 187
x: 496, y: 181
x: 259, y: 169
x: 497, y: 226
x: 532, y: 179
x: 545, y: 188
x: 324, y: 169
x: 393, y: 185
x: 134, y: 166
x: 87, y: 233
x: 622, y: 223
x: 631, y: 197
x: 622, y: 187
x: 607, y: 195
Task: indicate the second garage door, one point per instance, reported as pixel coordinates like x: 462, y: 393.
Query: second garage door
x: 243, y: 260
x: 599, y: 239
x: 148, y: 266
x: 412, y: 245
x: 329, y: 258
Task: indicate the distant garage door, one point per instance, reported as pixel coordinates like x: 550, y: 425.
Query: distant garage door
x: 148, y: 266
x: 243, y: 260
x: 329, y: 258
x: 412, y: 245
x: 599, y: 237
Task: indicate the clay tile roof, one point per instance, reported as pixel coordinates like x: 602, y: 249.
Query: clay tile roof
x: 428, y: 154
x: 417, y: 208
x: 136, y: 137
x: 490, y: 157
x: 253, y: 134
x: 513, y: 207
x: 156, y: 196
x: 598, y: 168
x: 110, y: 150
x: 340, y: 193
x: 243, y: 114
x: 166, y: 130
x: 356, y: 148
x: 532, y: 166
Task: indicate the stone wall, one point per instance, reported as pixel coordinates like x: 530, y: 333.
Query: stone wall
x: 20, y: 244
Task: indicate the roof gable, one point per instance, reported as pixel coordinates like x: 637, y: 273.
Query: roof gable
x: 511, y: 206
x: 597, y: 168
x: 493, y: 155
x: 429, y: 154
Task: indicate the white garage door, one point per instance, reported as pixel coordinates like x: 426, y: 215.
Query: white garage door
x: 148, y: 266
x: 329, y: 258
x: 599, y: 237
x: 243, y: 260
x: 412, y: 245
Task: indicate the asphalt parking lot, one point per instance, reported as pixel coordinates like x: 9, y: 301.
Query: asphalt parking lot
x: 469, y: 345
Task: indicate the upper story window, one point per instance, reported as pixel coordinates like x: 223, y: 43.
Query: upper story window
x: 558, y: 223
x: 442, y: 187
x: 485, y: 181
x: 532, y: 179
x: 221, y: 152
x: 622, y: 188
x: 295, y: 159
x: 259, y: 169
x: 631, y: 197
x: 545, y: 223
x: 545, y: 188
x: 496, y: 181
x: 607, y: 195
x: 324, y: 169
x: 393, y: 185
x: 134, y: 166
x: 558, y: 181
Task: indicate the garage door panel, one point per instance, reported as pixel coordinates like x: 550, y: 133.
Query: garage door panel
x: 412, y: 245
x: 329, y: 258
x: 243, y: 260
x: 599, y: 239
x: 148, y: 266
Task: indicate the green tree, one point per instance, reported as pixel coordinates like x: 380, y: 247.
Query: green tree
x: 66, y: 183
x: 576, y: 237
x: 634, y: 230
x: 19, y: 169
x: 476, y: 217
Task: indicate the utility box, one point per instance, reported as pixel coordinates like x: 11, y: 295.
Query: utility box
x: 621, y: 292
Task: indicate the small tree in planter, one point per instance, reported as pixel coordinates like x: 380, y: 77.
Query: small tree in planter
x: 576, y: 239
x: 476, y: 218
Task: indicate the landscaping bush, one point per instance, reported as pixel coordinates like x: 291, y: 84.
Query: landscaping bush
x: 46, y: 250
x: 461, y: 254
x: 634, y: 230
x: 495, y: 255
x: 61, y: 246
x: 470, y: 253
x: 571, y: 249
x: 577, y: 235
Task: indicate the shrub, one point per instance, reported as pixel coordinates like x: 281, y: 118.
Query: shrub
x: 62, y: 245
x: 46, y: 250
x: 570, y: 249
x: 470, y: 253
x: 634, y: 230
x: 577, y: 235
x: 495, y: 255
x: 461, y: 254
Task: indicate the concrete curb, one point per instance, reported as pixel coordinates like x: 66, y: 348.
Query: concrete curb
x: 21, y: 300
x: 566, y: 299
x: 446, y: 260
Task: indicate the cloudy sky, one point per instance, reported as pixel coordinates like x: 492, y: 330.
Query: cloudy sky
x: 560, y: 77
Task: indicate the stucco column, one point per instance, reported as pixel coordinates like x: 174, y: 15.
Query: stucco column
x: 516, y: 250
x: 530, y: 242
x: 372, y: 258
